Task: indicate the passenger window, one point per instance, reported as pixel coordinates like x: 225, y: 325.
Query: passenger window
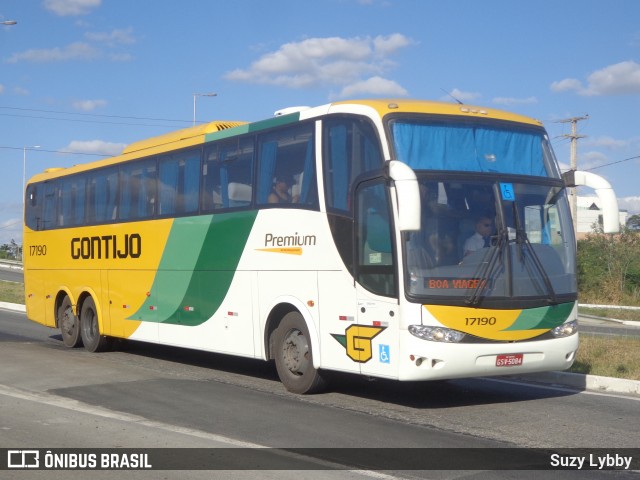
x: 351, y: 148
x: 137, y: 190
x: 73, y: 200
x: 102, y: 195
x: 286, y: 169
x: 228, y: 174
x: 179, y: 183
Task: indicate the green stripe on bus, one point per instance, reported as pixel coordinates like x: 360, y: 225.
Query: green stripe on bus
x: 197, y: 267
x: 542, y: 317
x: 229, y: 132
x: 254, y: 127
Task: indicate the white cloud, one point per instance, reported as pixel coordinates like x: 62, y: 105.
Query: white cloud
x: 20, y: 91
x: 605, y: 142
x: 113, y: 38
x: 377, y: 86
x: 11, y: 229
x: 591, y: 159
x: 566, y: 85
x: 508, y: 101
x: 99, y: 147
x: 460, y: 95
x: 121, y: 57
x: 71, y: 7
x: 1, y: 89
x: 88, y: 105
x: 631, y: 204
x: 619, y: 79
x: 74, y: 51
x: 323, y: 61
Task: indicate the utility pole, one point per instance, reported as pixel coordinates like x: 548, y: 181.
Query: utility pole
x: 573, y: 194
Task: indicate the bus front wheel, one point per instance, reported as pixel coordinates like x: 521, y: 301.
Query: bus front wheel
x: 294, y: 357
x: 90, y: 328
x: 69, y: 324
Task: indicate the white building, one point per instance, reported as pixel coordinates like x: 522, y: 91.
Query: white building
x: 589, y: 212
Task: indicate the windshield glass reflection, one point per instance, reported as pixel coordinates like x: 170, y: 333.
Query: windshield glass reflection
x: 491, y: 240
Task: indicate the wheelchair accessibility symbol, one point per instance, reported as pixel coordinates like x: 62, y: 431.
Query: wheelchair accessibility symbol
x: 384, y: 354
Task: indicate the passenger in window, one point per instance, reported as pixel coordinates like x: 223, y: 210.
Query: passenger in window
x: 280, y: 192
x: 482, y: 236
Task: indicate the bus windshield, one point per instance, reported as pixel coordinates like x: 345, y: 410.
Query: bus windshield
x: 427, y: 144
x: 491, y: 240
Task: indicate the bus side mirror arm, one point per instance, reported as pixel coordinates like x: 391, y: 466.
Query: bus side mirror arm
x: 407, y: 194
x: 605, y: 193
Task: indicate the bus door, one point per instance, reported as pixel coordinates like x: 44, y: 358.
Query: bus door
x: 374, y: 340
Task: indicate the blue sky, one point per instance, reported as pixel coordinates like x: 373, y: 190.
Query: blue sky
x: 90, y: 76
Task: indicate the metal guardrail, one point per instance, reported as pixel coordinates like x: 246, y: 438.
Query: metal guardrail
x: 612, y: 307
x: 11, y: 264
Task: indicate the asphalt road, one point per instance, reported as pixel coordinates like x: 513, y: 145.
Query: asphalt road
x: 11, y: 275
x: 144, y: 396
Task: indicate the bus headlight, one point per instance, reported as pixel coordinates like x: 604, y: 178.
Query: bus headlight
x: 566, y: 329
x: 436, y: 334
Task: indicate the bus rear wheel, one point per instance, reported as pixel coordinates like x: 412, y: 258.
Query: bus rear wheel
x: 294, y: 357
x: 90, y: 328
x: 69, y: 324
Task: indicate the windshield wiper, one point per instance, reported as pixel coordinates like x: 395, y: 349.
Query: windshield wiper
x: 487, y: 269
x: 522, y: 239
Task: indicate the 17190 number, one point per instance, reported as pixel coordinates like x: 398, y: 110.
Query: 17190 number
x: 37, y: 250
x: 481, y: 321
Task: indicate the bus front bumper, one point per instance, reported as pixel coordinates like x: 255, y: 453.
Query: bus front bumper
x: 427, y: 360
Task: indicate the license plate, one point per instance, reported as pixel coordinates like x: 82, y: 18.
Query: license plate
x: 509, y: 360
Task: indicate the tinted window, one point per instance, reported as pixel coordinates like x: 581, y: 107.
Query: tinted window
x: 351, y: 148
x: 286, y: 167
x: 179, y: 180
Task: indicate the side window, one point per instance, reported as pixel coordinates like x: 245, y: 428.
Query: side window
x: 227, y: 174
x: 33, y: 206
x: 73, y: 200
x: 375, y: 265
x: 50, y: 214
x: 102, y: 195
x: 138, y: 190
x: 286, y: 167
x: 179, y: 183
x: 351, y: 147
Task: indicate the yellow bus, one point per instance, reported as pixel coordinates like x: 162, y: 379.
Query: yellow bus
x: 343, y: 237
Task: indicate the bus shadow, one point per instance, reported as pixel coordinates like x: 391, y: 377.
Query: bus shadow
x: 443, y: 394
x: 440, y: 394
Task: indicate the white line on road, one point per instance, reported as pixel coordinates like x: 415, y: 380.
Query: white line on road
x: 45, y: 398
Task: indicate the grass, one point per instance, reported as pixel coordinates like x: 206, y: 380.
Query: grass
x: 598, y: 354
x: 11, y: 292
x: 616, y: 313
x: 608, y: 356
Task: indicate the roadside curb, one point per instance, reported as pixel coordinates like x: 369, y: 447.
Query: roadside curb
x: 13, y: 306
x: 584, y: 382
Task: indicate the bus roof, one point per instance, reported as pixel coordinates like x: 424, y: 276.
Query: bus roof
x: 179, y: 135
x: 387, y: 106
x: 215, y: 130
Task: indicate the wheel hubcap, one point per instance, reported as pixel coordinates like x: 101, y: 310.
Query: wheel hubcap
x: 296, y: 352
x: 68, y: 322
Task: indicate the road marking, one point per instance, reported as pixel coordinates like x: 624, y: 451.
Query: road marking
x: 560, y: 388
x: 45, y: 398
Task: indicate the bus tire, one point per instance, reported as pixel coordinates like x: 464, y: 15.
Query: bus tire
x: 69, y: 324
x: 294, y: 357
x: 90, y: 328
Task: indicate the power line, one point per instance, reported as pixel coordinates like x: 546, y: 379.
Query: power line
x: 57, y: 151
x: 96, y: 115
x: 613, y: 163
x: 78, y: 120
